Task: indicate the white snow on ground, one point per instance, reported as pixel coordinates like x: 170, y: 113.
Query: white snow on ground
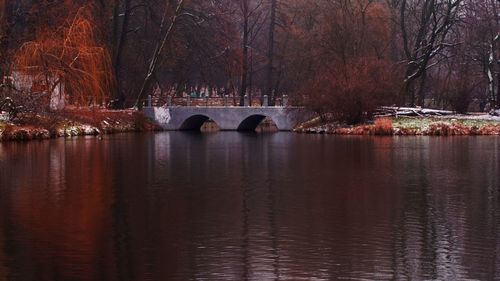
x: 480, y: 116
x: 77, y: 131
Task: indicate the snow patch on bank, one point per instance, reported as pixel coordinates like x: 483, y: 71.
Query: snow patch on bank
x: 77, y: 130
x: 4, y: 116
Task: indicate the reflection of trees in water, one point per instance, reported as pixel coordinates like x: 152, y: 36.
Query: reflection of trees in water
x: 438, y: 219
x: 415, y: 231
x: 245, y: 243
x: 121, y: 227
x: 4, y: 223
x: 227, y: 207
x: 260, y: 248
x: 146, y: 229
x: 492, y: 211
x: 272, y: 212
x: 56, y: 230
x: 429, y: 226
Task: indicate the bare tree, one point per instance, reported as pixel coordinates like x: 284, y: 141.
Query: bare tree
x: 6, y: 17
x: 119, y: 37
x: 425, y: 25
x: 160, y: 46
x: 270, y: 53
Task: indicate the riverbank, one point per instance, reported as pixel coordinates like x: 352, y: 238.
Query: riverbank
x: 94, y: 122
x: 75, y: 122
x: 455, y: 125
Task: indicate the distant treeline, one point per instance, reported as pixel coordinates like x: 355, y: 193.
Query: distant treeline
x: 343, y: 57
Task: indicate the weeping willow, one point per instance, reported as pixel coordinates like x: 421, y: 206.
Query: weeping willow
x: 70, y: 56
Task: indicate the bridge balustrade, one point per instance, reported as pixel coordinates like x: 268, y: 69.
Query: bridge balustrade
x: 228, y: 101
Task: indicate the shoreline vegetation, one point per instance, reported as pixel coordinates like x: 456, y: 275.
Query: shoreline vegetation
x: 95, y: 122
x: 75, y: 122
x: 456, y: 125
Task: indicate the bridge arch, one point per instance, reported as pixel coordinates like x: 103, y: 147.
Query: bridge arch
x: 226, y: 118
x: 251, y: 122
x: 194, y: 122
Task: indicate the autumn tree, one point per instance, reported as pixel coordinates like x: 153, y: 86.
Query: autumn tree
x: 351, y: 92
x: 68, y: 57
x: 345, y: 70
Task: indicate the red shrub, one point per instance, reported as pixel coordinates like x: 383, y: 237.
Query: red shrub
x: 383, y: 127
x: 351, y: 92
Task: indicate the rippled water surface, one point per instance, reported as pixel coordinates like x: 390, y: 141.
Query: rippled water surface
x: 231, y: 206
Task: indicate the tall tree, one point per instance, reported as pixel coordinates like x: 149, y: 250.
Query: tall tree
x: 270, y: 53
x: 70, y: 58
x: 119, y: 39
x: 245, y: 11
x: 6, y: 23
x: 160, y: 46
x: 425, y: 25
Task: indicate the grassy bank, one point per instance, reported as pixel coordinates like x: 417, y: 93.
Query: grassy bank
x: 74, y: 122
x: 410, y: 126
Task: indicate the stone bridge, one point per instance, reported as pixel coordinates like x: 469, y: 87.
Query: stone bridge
x: 227, y: 118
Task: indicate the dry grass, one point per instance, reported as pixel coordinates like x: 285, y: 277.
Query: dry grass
x: 23, y: 133
x: 76, y: 122
x: 111, y: 121
x: 412, y: 127
x: 383, y: 127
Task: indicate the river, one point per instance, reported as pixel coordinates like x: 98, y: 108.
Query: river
x: 236, y: 206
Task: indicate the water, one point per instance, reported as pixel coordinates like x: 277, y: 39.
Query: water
x: 231, y: 206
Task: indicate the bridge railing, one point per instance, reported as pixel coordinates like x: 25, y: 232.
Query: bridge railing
x: 226, y: 101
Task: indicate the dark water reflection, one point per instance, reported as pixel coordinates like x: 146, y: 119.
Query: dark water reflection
x: 232, y: 206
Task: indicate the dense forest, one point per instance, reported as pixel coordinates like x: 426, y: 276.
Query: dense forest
x: 342, y: 57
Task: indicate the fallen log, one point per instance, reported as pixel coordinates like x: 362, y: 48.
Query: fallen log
x: 388, y: 111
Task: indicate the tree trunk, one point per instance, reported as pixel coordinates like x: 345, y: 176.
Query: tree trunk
x: 270, y: 54
x: 120, y: 38
x: 250, y: 82
x: 158, y: 50
x: 496, y: 51
x: 421, y: 89
x: 244, y: 66
x: 6, y: 14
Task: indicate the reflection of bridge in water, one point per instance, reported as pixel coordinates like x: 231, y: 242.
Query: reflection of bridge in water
x: 228, y: 118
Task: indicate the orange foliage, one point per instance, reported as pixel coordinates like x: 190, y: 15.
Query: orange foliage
x: 383, y: 127
x: 352, y: 72
x: 69, y: 56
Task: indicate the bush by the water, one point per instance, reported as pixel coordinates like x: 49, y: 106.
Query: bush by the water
x: 383, y: 127
x: 352, y: 92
